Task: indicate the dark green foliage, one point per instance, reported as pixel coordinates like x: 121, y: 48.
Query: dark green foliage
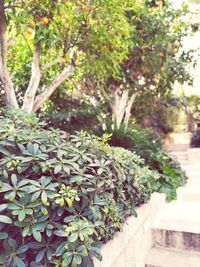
x: 147, y: 144
x: 142, y: 141
x: 63, y: 196
x: 71, y: 115
x: 195, y: 141
x: 171, y: 174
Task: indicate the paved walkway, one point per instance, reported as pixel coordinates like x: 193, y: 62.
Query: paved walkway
x: 177, y: 232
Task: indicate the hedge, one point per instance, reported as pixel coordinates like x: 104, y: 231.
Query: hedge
x: 62, y: 196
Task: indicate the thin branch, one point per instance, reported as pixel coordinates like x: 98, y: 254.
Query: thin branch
x: 12, y: 6
x: 50, y: 64
x: 106, y: 95
x: 27, y: 43
x: 58, y: 60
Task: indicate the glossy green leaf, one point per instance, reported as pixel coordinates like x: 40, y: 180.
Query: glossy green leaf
x: 22, y: 249
x: 3, y: 235
x: 14, y: 179
x: 3, y: 207
x: 77, y: 259
x: 67, y: 259
x: 21, y: 215
x: 44, y: 197
x: 37, y: 235
x: 5, y: 219
x: 73, y: 237
x: 18, y: 262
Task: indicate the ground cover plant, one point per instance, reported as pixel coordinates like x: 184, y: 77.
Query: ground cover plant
x: 63, y: 196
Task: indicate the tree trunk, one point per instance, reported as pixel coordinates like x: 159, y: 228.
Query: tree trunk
x: 119, y: 107
x: 128, y: 110
x: 34, y: 82
x: 4, y: 73
x: 31, y: 102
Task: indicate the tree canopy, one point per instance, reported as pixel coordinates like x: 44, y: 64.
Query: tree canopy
x: 44, y: 43
x: 127, y: 49
x: 155, y: 61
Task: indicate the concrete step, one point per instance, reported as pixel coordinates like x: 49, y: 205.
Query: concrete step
x: 164, y: 257
x: 179, y: 155
x: 194, y: 155
x: 189, y: 193
x: 176, y: 234
x: 177, y: 147
x: 193, y: 173
x: 193, y: 176
x: 178, y: 215
x: 183, y: 162
x: 192, y: 168
x: 174, y: 239
x: 178, y: 226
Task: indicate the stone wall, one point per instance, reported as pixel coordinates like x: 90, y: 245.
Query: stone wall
x: 130, y: 246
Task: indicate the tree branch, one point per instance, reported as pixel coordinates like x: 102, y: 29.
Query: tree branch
x: 4, y: 73
x: 34, y: 81
x: 27, y: 43
x: 106, y: 95
x: 50, y: 64
x: 65, y: 74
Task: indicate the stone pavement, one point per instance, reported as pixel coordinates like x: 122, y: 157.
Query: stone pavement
x: 176, y: 234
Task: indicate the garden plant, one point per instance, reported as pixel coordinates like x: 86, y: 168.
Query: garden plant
x: 63, y: 196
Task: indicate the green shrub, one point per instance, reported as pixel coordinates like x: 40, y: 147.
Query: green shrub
x: 147, y: 144
x: 195, y: 141
x: 63, y: 196
x: 142, y: 141
x: 171, y: 174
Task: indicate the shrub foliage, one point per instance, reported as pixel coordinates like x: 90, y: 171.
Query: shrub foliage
x: 147, y: 144
x: 63, y: 196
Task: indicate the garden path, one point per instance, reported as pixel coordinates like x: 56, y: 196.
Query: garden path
x: 177, y: 232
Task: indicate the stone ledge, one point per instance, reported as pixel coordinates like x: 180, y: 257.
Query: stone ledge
x: 130, y: 246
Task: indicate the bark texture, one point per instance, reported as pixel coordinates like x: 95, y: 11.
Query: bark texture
x: 121, y: 108
x: 49, y: 90
x: 34, y: 82
x: 4, y: 73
